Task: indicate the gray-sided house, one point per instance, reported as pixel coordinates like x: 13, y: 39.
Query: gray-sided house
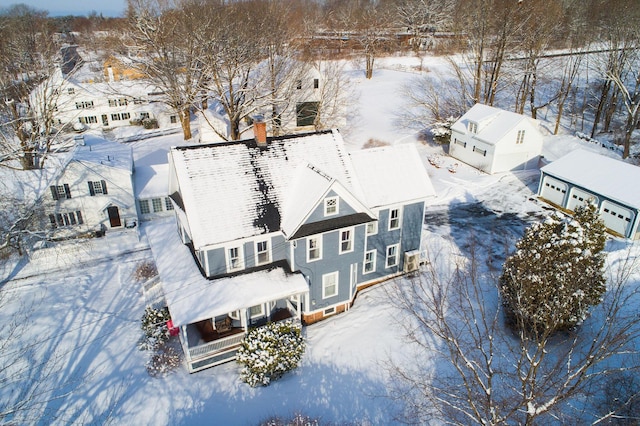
x: 494, y: 140
x: 94, y: 191
x: 582, y: 175
x: 284, y: 227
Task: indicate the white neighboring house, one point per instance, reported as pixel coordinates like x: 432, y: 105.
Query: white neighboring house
x: 581, y: 175
x: 494, y: 140
x: 94, y: 191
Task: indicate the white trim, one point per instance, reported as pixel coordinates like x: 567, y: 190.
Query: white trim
x: 240, y: 256
x: 318, y: 239
x: 397, y: 256
x: 329, y: 311
x: 260, y: 314
x: 327, y: 200
x: 332, y: 275
x: 399, y: 218
x: 350, y: 240
x: 374, y: 225
x: 268, y: 251
x: 364, y: 262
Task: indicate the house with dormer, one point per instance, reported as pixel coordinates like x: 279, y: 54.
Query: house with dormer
x: 494, y: 140
x: 283, y: 227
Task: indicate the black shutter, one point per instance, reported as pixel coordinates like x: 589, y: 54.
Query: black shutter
x: 54, y: 192
x: 79, y: 216
x: 67, y: 191
x: 91, y: 191
x: 52, y: 219
x: 104, y: 186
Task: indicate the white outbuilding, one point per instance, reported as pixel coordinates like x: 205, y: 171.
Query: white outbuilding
x: 494, y: 140
x: 582, y: 175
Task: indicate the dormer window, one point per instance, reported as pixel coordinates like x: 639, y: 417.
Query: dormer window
x: 330, y: 206
x: 473, y: 127
x: 520, y: 138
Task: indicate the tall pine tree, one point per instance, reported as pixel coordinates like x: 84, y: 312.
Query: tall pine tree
x: 556, y: 273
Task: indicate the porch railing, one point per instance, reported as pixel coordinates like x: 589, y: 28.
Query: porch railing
x: 216, y: 345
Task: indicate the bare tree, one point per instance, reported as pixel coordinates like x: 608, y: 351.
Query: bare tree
x: 469, y: 369
x: 29, y: 65
x: 169, y: 34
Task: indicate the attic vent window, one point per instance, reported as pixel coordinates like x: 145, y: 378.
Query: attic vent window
x: 473, y: 127
x: 331, y: 206
x: 520, y: 138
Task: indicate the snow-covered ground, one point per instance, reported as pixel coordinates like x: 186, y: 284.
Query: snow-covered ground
x: 83, y: 305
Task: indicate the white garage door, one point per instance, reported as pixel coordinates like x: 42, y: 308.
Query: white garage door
x: 578, y: 197
x: 553, y: 190
x: 616, y: 217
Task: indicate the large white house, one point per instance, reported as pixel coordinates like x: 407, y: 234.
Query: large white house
x: 494, y: 140
x: 582, y: 175
x: 94, y: 191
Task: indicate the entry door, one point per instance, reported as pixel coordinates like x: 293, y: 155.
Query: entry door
x: 105, y: 120
x: 114, y: 216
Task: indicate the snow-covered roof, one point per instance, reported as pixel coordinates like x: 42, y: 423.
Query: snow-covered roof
x: 192, y: 298
x: 391, y: 175
x: 101, y: 151
x: 236, y: 189
x: 493, y: 123
x: 603, y: 175
x: 151, y: 181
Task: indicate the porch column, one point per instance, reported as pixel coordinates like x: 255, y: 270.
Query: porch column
x: 243, y: 319
x: 299, y: 302
x: 184, y: 339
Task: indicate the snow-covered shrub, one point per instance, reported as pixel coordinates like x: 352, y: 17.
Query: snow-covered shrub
x: 154, y: 326
x: 164, y: 359
x: 268, y: 352
x: 441, y: 130
x: 556, y: 273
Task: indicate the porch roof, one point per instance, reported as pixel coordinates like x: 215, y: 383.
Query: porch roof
x: 192, y: 298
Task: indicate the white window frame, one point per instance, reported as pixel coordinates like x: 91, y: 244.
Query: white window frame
x: 331, y: 209
x: 473, y: 127
x: 520, y: 137
x: 318, y: 248
x: 350, y: 233
x: 326, y: 282
x: 260, y: 314
x: 371, y: 262
x: 258, y: 253
x: 239, y: 256
x: 372, y: 228
x: 395, y: 248
x: 398, y: 219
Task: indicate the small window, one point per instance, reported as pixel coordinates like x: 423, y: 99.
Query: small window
x: 520, y: 137
x: 329, y: 311
x: 330, y: 285
x: 157, y: 205
x: 316, y: 83
x: 346, y: 241
x: 122, y: 102
x: 606, y: 210
x: 369, y: 262
x: 97, y: 187
x: 113, y: 103
x: 256, y: 311
x: 314, y: 248
x: 71, y: 90
x: 115, y: 117
x: 173, y: 119
x: 234, y: 258
x: 306, y: 113
x: 144, y: 115
x: 299, y: 84
x: 62, y: 193
x: 394, y: 219
x: 482, y: 152
x: 125, y: 115
x: 372, y: 228
x: 473, y: 127
x: 330, y: 206
x: 144, y: 207
x: 262, y: 252
x: 168, y: 205
x: 392, y: 256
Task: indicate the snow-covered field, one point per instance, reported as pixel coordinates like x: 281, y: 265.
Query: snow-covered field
x: 82, y: 305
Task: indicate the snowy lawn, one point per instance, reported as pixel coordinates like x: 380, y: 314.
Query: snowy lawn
x: 82, y: 306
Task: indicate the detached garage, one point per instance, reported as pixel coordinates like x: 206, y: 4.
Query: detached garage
x: 581, y: 176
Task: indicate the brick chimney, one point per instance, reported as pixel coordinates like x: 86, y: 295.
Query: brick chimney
x: 260, y: 133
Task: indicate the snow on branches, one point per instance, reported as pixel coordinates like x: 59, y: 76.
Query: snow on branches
x: 270, y: 351
x: 556, y: 273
